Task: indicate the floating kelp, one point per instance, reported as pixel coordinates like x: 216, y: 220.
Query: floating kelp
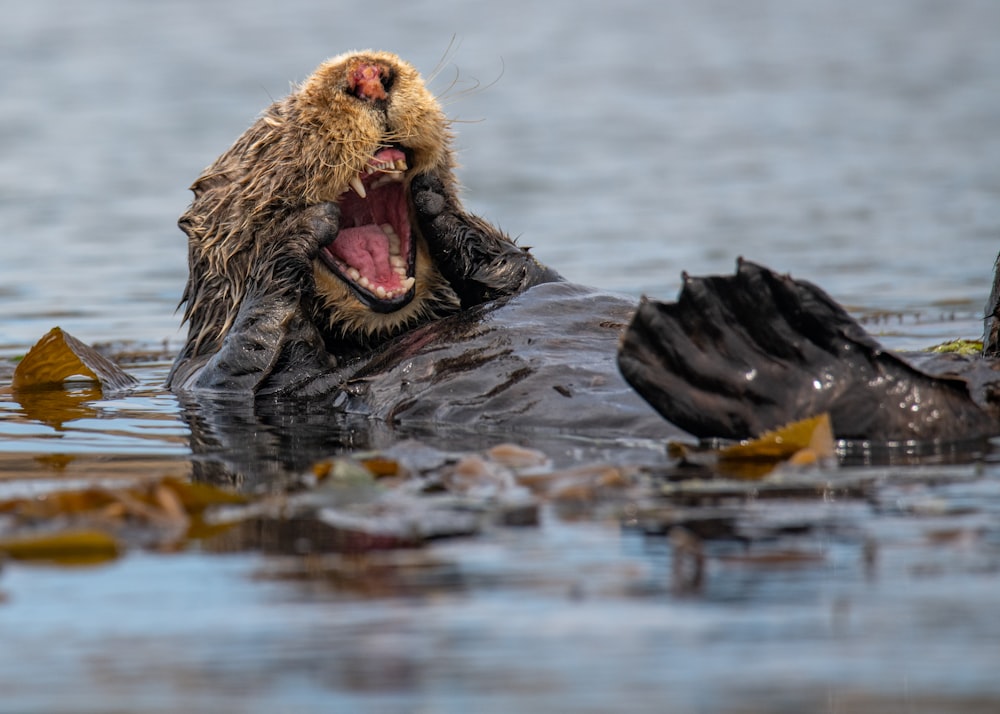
x: 66, y: 547
x: 58, y: 357
x: 802, y: 443
x: 341, y: 505
x: 367, y: 502
x: 98, y: 522
x: 968, y: 348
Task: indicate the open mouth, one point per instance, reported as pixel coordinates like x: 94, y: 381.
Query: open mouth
x: 374, y: 251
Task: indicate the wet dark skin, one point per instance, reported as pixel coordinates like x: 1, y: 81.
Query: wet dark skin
x: 737, y: 355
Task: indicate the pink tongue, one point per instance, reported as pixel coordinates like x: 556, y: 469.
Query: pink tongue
x: 384, y: 155
x: 365, y: 248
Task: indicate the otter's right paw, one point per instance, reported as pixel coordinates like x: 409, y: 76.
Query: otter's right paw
x: 298, y: 242
x: 319, y: 224
x: 307, y: 230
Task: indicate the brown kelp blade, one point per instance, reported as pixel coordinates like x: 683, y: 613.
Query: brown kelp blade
x: 69, y: 547
x: 806, y: 441
x: 58, y: 356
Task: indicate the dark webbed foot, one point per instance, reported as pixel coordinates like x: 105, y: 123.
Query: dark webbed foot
x: 738, y: 355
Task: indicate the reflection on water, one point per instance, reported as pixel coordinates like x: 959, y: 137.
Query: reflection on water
x: 851, y: 143
x: 575, y: 584
x: 79, y: 419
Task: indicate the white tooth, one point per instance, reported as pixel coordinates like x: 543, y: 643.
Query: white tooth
x: 364, y: 282
x: 380, y: 291
x: 396, y: 261
x: 353, y: 274
x: 388, y: 229
x: 359, y: 188
x: 369, y: 170
x: 408, y: 283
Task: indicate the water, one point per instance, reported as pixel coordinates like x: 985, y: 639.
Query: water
x: 850, y: 143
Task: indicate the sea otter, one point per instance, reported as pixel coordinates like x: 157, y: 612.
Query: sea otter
x: 332, y: 264
x: 332, y: 267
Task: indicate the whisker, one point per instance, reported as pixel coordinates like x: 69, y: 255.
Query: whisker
x: 466, y: 121
x: 454, y: 44
x: 476, y: 88
x: 451, y: 85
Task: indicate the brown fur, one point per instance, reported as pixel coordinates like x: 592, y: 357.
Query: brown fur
x: 303, y: 151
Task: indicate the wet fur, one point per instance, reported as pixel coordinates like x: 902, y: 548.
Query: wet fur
x: 303, y: 151
x: 264, y: 312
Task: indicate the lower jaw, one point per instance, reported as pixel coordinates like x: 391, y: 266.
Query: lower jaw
x: 364, y: 295
x: 386, y: 306
x: 373, y: 302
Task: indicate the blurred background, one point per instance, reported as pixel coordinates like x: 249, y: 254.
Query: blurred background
x: 853, y: 143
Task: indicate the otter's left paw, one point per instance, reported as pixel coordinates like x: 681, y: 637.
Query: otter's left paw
x: 429, y: 196
x: 443, y: 224
x: 460, y: 242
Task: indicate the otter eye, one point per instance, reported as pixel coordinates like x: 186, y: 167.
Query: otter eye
x: 370, y: 81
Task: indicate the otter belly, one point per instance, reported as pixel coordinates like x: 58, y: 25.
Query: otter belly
x: 543, y: 359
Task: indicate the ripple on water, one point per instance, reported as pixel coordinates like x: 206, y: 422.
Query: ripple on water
x: 78, y: 420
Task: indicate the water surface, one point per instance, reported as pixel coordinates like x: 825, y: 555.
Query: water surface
x: 852, y: 143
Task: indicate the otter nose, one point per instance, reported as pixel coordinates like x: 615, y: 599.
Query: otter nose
x: 369, y: 81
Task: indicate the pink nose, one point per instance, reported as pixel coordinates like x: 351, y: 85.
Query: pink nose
x: 368, y: 81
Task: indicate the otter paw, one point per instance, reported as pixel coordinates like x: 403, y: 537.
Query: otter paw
x: 445, y: 226
x: 322, y: 223
x: 429, y: 195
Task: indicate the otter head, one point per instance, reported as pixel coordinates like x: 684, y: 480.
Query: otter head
x: 378, y: 126
x: 354, y: 134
